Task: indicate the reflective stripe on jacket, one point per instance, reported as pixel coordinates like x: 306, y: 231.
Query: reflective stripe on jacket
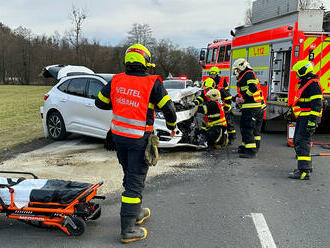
x: 215, y: 119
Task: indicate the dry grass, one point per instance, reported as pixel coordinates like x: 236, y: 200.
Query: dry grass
x: 20, y: 120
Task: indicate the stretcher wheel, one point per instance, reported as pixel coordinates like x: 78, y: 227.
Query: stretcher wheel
x: 97, y: 214
x: 80, y: 226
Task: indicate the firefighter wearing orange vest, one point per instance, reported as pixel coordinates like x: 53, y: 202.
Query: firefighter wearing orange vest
x: 307, y: 108
x: 252, y: 108
x: 133, y: 96
x: 215, y: 75
x: 226, y: 97
x: 214, y: 120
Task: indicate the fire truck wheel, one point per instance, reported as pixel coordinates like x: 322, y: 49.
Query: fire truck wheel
x: 80, y: 226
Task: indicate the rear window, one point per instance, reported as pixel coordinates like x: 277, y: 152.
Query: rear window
x: 77, y: 86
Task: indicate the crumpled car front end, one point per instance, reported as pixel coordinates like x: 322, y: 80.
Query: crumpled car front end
x: 188, y: 125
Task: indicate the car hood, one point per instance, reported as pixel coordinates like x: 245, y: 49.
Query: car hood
x: 60, y: 71
x: 178, y: 94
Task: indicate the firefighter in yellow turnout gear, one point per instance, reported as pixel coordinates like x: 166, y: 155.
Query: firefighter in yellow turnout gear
x: 214, y: 120
x: 226, y: 98
x: 307, y: 108
x: 252, y: 108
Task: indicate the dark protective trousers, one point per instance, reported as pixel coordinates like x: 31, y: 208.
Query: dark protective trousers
x: 130, y: 153
x: 215, y: 136
x: 302, y: 139
x: 250, y: 125
x: 230, y: 125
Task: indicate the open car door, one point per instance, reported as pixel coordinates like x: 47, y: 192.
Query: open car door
x: 60, y: 71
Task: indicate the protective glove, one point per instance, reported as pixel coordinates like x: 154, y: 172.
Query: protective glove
x: 239, y: 100
x: 151, y: 153
x: 311, y: 126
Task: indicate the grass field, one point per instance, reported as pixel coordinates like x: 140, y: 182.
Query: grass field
x: 20, y: 120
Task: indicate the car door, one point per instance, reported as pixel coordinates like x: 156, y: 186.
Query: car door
x: 97, y: 120
x: 75, y: 104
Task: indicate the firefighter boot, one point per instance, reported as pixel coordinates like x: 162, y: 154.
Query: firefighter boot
x: 231, y: 138
x: 249, y: 153
x: 241, y: 149
x: 258, y: 145
x: 300, y: 174
x: 129, y: 232
x: 142, y: 215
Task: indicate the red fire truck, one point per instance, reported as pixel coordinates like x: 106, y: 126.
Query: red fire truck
x: 217, y: 54
x: 273, y: 43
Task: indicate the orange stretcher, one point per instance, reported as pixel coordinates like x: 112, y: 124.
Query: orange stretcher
x: 70, y: 218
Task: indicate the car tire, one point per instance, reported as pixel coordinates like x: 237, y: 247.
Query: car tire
x: 55, y: 126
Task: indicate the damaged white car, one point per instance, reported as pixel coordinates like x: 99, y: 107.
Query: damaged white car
x: 69, y: 108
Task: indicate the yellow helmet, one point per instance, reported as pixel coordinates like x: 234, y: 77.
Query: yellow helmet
x: 303, y: 67
x: 214, y: 70
x: 214, y: 95
x: 138, y: 54
x: 209, y: 83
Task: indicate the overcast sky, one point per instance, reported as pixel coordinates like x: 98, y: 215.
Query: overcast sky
x: 185, y: 22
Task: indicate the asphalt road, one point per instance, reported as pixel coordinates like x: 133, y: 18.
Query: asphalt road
x: 224, y: 202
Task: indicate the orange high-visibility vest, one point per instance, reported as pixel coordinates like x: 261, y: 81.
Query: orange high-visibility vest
x: 130, y: 99
x: 222, y: 118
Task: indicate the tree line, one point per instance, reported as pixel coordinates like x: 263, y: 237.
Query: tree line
x: 23, y: 54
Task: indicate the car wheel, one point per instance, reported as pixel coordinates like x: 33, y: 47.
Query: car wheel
x: 55, y: 126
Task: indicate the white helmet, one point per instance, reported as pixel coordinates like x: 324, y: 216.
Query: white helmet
x: 214, y: 95
x: 241, y: 65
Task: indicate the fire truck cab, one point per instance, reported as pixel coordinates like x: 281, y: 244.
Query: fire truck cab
x: 216, y: 54
x: 280, y: 35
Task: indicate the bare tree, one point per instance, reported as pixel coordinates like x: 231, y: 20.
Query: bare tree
x: 24, y: 37
x: 310, y: 4
x: 77, y: 16
x: 140, y: 33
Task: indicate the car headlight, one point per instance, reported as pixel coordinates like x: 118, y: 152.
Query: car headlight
x: 159, y: 115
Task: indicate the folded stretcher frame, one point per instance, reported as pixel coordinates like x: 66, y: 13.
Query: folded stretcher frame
x: 70, y: 218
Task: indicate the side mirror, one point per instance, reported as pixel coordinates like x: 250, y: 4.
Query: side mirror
x: 202, y: 55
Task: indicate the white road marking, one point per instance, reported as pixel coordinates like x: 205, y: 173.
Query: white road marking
x: 264, y: 234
